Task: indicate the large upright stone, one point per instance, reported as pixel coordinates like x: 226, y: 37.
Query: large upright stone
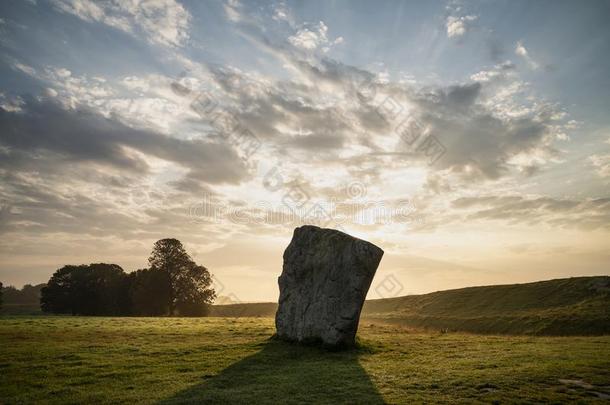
x: 324, y: 282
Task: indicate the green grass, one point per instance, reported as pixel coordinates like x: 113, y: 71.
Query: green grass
x: 20, y: 309
x: 571, y: 306
x: 218, y: 360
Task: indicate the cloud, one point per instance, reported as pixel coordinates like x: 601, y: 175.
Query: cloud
x: 485, y: 137
x: 499, y: 73
x: 463, y: 95
x: 524, y: 53
x: 457, y: 26
x: 312, y: 37
x: 601, y: 164
x: 282, y: 13
x: 317, y: 121
x: 142, y: 101
x: 106, y: 165
x: 489, y: 125
x: 46, y: 130
x: 163, y: 22
x: 25, y: 69
x: 284, y: 114
x: 231, y: 8
x: 317, y: 141
x: 584, y: 214
x: 488, y: 135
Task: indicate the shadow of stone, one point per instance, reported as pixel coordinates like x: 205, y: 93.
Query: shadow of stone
x: 285, y: 373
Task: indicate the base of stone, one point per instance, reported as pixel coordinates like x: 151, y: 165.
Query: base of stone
x: 317, y: 342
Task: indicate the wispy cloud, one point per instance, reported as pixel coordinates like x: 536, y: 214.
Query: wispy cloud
x: 601, y: 163
x: 162, y: 22
x: 521, y: 51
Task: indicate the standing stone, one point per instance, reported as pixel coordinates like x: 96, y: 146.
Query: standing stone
x: 324, y: 282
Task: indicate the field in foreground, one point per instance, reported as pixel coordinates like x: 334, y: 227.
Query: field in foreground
x: 177, y: 360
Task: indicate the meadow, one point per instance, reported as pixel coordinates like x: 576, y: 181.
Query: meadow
x: 220, y: 360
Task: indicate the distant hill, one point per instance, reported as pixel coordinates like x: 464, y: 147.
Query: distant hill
x: 571, y: 306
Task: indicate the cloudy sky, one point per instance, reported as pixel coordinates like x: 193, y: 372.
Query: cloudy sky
x: 469, y: 140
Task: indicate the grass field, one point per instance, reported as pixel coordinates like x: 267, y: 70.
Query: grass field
x: 219, y: 360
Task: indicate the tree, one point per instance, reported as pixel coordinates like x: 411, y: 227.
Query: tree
x: 149, y: 292
x: 194, y: 292
x: 106, y: 287
x: 59, y: 295
x: 96, y: 289
x: 174, y: 283
x: 1, y: 292
x: 190, y: 284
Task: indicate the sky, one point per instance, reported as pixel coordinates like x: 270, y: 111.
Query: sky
x: 469, y: 140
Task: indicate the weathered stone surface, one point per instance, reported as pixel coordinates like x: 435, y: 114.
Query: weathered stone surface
x: 324, y: 282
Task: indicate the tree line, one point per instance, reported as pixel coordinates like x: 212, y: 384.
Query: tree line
x: 24, y: 301
x: 173, y: 284
x: 29, y: 294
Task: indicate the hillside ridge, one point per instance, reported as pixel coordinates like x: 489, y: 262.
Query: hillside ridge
x: 567, y: 306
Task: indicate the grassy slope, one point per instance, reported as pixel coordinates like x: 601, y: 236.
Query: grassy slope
x: 579, y: 305
x: 216, y: 360
x: 572, y: 306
